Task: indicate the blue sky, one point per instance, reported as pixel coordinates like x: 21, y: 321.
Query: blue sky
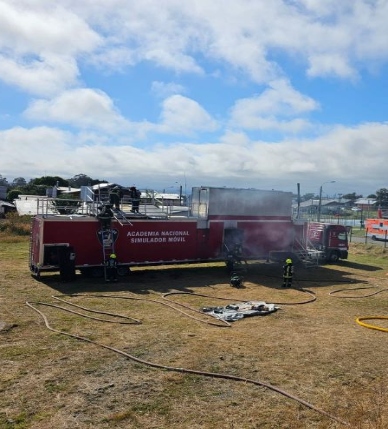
x: 223, y: 93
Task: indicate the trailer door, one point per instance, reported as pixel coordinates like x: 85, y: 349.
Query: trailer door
x: 233, y: 240
x: 200, y: 203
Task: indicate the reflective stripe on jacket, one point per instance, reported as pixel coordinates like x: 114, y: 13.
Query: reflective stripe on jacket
x: 288, y: 270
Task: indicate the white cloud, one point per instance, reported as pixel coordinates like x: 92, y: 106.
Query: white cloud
x: 44, y: 76
x: 334, y: 156
x: 84, y: 108
x: 93, y: 109
x: 40, y: 45
x: 329, y: 65
x: 182, y: 115
x: 332, y: 38
x: 163, y: 89
x: 57, y: 50
x: 266, y: 110
x: 44, y: 27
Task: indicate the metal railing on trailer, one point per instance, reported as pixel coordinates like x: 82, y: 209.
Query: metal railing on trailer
x: 149, y: 207
x: 307, y: 253
x: 58, y: 206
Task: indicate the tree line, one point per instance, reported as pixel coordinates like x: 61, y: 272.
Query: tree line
x: 39, y: 185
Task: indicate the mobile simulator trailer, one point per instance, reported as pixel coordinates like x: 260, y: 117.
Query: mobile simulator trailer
x: 223, y: 224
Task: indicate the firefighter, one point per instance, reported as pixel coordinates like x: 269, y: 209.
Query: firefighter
x: 135, y: 196
x: 115, y: 196
x: 105, y: 215
x: 111, y: 268
x: 288, y: 272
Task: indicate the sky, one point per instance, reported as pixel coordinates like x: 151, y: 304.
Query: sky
x: 167, y: 93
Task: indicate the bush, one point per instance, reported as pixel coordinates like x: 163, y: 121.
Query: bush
x: 13, y: 194
x: 14, y: 224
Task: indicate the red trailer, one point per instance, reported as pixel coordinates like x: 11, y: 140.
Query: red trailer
x: 222, y: 224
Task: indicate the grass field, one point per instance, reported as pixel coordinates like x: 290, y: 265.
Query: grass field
x: 319, y: 367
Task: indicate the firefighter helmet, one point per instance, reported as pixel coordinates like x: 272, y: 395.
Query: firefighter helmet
x: 288, y: 261
x: 112, y: 256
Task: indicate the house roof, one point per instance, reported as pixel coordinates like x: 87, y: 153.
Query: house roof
x: 6, y: 204
x: 69, y: 190
x: 365, y: 201
x: 324, y: 202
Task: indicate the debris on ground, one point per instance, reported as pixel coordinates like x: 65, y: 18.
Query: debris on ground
x: 233, y: 312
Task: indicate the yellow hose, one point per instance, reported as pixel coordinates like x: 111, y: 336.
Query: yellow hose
x: 367, y: 325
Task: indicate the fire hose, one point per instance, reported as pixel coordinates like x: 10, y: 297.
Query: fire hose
x: 312, y: 299
x: 268, y: 386
x: 359, y: 320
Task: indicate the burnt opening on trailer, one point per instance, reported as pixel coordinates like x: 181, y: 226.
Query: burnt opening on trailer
x: 58, y: 256
x: 233, y: 237
x: 233, y: 247
x: 53, y: 253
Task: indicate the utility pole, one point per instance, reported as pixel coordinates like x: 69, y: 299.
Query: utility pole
x: 320, y: 200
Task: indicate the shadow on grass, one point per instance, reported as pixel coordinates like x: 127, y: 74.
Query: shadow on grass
x: 363, y: 267
x: 163, y: 279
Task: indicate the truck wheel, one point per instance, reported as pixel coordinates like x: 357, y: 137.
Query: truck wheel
x: 374, y: 238
x: 333, y: 257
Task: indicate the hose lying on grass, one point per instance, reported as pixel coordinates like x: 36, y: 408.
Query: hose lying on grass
x: 33, y: 305
x: 311, y: 299
x: 359, y: 320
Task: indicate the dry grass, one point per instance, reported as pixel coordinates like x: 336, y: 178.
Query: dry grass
x: 314, y: 351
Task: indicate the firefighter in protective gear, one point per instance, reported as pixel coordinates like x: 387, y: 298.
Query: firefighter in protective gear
x: 288, y: 272
x: 115, y: 196
x: 135, y: 195
x: 111, y: 268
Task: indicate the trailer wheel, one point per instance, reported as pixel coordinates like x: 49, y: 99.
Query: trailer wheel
x: 35, y: 272
x: 123, y: 271
x: 36, y: 275
x: 97, y: 272
x: 229, y: 266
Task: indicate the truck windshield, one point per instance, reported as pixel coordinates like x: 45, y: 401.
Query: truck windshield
x: 342, y: 235
x: 339, y: 235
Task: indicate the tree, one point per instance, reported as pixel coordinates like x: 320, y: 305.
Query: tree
x: 307, y: 197
x: 3, y: 181
x: 80, y: 180
x: 382, y: 197
x: 84, y: 180
x: 97, y: 181
x: 19, y: 181
x: 13, y: 194
x: 49, y: 181
x: 352, y: 197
